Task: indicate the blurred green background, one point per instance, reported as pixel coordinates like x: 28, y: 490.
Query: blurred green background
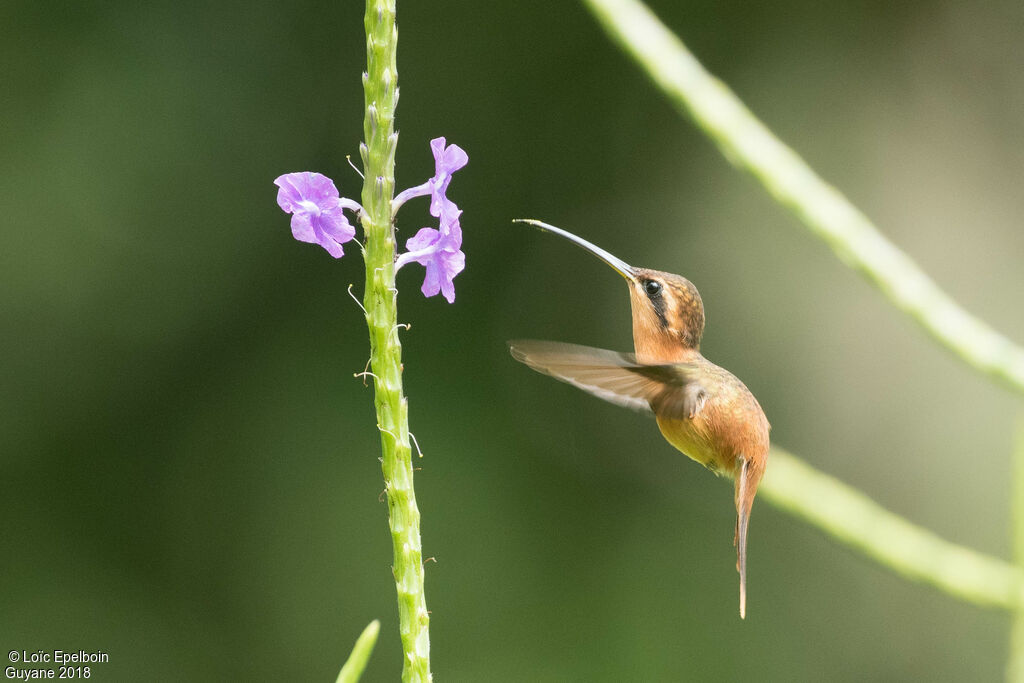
x: 189, y: 474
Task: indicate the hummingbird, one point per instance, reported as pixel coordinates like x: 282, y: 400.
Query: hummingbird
x: 703, y: 410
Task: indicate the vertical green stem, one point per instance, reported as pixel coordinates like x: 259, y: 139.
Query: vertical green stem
x: 380, y: 84
x: 1015, y: 665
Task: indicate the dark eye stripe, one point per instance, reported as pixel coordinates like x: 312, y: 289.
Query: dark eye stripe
x: 654, y: 292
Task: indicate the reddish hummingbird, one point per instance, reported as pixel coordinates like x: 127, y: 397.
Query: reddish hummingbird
x: 701, y: 409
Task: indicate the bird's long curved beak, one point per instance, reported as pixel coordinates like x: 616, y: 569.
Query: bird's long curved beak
x: 621, y: 267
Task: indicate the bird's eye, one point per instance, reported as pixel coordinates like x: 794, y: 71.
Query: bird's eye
x: 652, y: 287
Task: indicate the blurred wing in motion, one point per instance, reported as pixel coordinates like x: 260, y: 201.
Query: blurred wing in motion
x: 668, y: 390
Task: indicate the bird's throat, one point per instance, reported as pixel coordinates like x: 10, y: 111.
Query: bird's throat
x: 659, y: 349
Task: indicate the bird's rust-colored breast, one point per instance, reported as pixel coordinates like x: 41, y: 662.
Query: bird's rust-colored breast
x: 731, y: 424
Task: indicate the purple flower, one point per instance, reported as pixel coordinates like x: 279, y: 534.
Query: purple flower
x: 318, y: 216
x: 447, y: 160
x: 440, y: 252
x: 317, y: 210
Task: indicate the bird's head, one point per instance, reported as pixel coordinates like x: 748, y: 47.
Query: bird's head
x: 668, y: 314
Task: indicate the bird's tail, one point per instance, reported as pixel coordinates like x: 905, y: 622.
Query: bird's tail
x: 747, y: 480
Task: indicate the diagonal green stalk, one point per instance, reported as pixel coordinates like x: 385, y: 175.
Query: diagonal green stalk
x: 748, y: 144
x: 380, y: 85
x: 904, y: 547
x: 1015, y: 665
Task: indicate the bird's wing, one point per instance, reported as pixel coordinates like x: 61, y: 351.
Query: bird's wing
x: 672, y: 390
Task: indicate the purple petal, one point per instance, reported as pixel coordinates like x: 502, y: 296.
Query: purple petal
x: 456, y: 264
x: 304, y: 186
x: 437, y: 147
x: 455, y: 234
x: 438, y: 200
x: 447, y: 160
x: 448, y: 291
x: 432, y: 282
x: 302, y: 228
x: 335, y: 224
x: 422, y: 239
x: 449, y: 215
x: 332, y: 247
x: 453, y: 264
